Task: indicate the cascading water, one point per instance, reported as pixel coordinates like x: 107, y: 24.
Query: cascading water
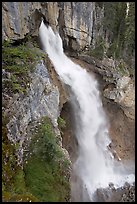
x: 95, y: 166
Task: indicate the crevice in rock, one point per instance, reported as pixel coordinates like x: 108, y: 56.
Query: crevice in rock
x: 61, y: 24
x: 72, y: 44
x: 35, y: 21
x: 69, y: 141
x: 78, y: 30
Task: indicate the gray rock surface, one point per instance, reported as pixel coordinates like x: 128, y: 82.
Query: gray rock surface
x: 73, y: 20
x: 42, y: 99
x: 124, y: 194
x: 120, y: 87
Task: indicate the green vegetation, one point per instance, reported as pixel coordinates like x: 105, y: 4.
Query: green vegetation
x: 61, y: 122
x: 129, y: 44
x: 46, y: 181
x: 44, y: 176
x: 118, y: 37
x: 18, y: 61
x: 98, y: 52
x: 45, y: 170
x: 13, y: 183
x: 114, y: 24
x: 121, y: 29
x: 44, y: 144
x: 121, y: 68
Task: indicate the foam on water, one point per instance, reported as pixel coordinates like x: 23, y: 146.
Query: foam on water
x: 95, y: 164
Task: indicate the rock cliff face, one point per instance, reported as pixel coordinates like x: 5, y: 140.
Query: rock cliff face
x: 21, y: 18
x: 119, y: 86
x: 80, y: 24
x: 104, y: 43
x: 41, y: 100
x: 31, y: 127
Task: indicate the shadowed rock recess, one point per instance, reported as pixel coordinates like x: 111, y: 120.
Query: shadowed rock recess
x: 39, y: 145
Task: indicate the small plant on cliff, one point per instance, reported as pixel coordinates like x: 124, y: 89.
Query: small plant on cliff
x: 61, y: 122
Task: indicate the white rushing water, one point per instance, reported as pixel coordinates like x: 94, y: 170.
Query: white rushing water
x: 95, y: 165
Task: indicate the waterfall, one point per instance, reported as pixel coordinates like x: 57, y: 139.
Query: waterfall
x: 95, y: 166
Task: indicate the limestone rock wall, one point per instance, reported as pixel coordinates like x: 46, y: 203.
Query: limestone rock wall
x: 118, y: 85
x: 42, y: 99
x: 80, y: 24
x: 16, y: 22
x: 74, y: 20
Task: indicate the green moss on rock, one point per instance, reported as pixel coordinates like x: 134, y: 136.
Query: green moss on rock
x: 45, y: 168
x: 18, y: 61
x: 44, y: 176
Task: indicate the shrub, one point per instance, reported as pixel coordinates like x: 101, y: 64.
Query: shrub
x: 61, y: 122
